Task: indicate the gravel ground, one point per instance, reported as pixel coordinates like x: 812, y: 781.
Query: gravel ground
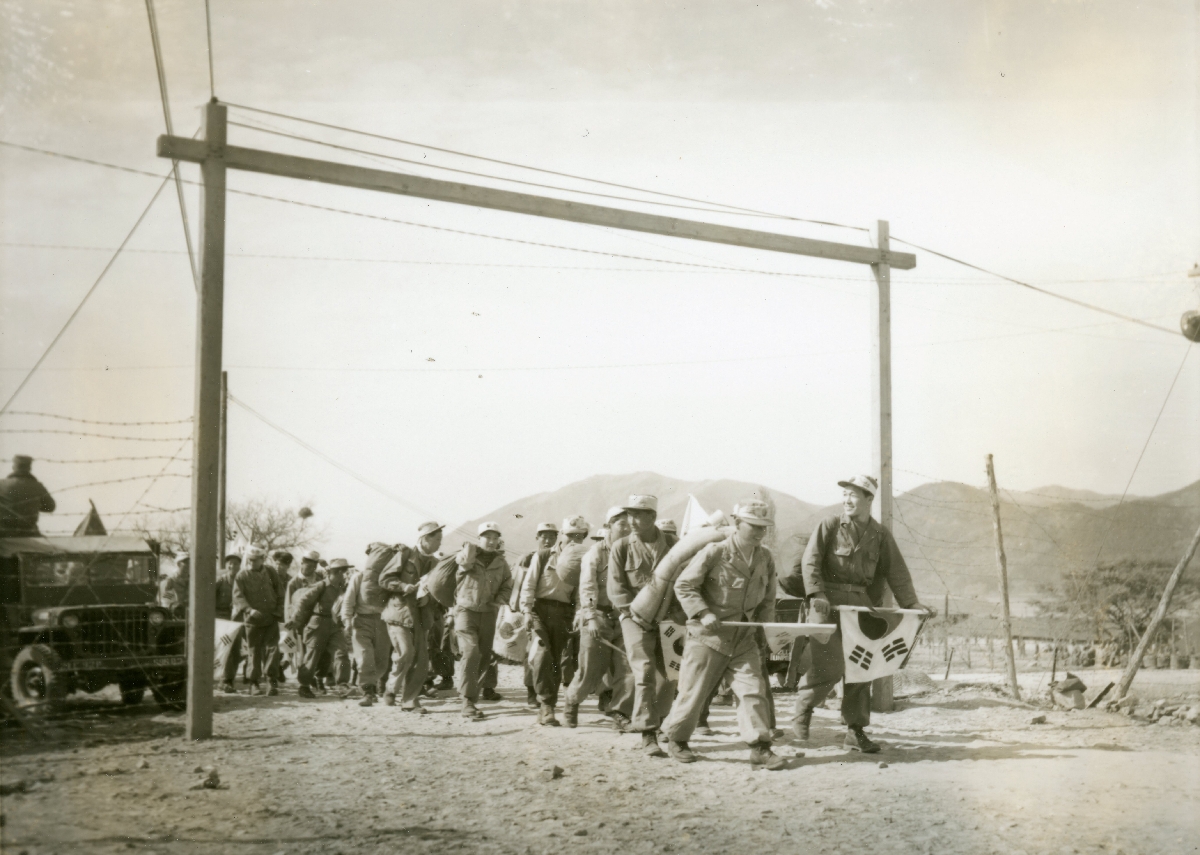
x: 966, y: 771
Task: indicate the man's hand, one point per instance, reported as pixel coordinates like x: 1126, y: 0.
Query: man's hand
x: 593, y: 627
x: 710, y: 621
x: 821, y: 607
x: 930, y: 611
x: 290, y: 626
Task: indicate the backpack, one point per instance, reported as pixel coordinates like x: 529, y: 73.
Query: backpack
x: 379, y: 555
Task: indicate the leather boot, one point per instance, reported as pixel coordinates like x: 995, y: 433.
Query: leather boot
x: 389, y: 699
x: 305, y: 692
x: 856, y: 740
x: 546, y: 716
x: 368, y: 699
x: 650, y: 744
x: 571, y: 715
x: 491, y: 695
x: 761, y: 756
x: 681, y: 752
x: 801, y: 725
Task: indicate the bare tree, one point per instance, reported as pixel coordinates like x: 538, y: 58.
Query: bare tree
x: 259, y: 521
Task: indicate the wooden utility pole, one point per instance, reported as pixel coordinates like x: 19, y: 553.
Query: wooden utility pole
x: 1161, y: 612
x: 882, y: 699
x: 221, y: 480
x: 216, y: 157
x: 1002, y: 563
x: 206, y: 444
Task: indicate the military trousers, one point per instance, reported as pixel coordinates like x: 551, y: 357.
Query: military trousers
x: 336, y: 666
x: 652, y: 691
x: 703, y: 668
x: 257, y: 646
x: 598, y: 662
x: 233, y: 656
x: 437, y: 640
x: 321, y: 642
x: 552, y: 623
x: 829, y: 667
x: 475, y: 632
x: 372, y: 650
x: 410, y: 663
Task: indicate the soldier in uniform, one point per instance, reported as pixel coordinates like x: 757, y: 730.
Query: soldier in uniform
x: 22, y: 498
x: 630, y: 567
x: 361, y: 610
x: 599, y: 624
x: 173, y: 587
x: 848, y: 561
x: 258, y: 604
x: 313, y: 615
x: 531, y: 563
x: 570, y: 550
x: 406, y: 618
x: 732, y: 580
x: 483, y: 583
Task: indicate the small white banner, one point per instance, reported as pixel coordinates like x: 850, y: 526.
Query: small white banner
x: 672, y: 636
x: 876, y: 643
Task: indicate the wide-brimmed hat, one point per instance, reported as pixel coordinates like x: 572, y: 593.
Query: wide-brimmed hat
x: 427, y: 528
x: 484, y: 528
x: 252, y: 551
x: 642, y: 503
x: 754, y: 512
x: 313, y: 556
x: 668, y: 526
x: 867, y: 483
x: 233, y: 556
x: 547, y: 526
x: 338, y: 564
x: 575, y: 525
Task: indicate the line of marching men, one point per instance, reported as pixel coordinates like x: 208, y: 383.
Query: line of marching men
x: 410, y: 611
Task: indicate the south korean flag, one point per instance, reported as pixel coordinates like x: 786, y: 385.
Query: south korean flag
x: 672, y: 636
x: 877, y: 642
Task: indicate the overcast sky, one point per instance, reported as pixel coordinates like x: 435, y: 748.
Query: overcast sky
x: 1053, y: 142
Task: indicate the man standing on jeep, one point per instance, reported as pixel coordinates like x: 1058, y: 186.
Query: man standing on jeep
x: 258, y: 604
x: 22, y: 498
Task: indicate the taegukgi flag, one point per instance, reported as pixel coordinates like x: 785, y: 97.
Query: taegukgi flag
x: 876, y: 642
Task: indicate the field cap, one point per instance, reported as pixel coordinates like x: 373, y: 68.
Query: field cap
x: 600, y: 533
x: 427, y: 528
x: 252, y: 552
x: 863, y: 482
x: 755, y: 513
x: 547, y: 526
x: 22, y: 461
x: 313, y: 556
x: 233, y: 556
x: 668, y: 526
x: 642, y: 503
x: 484, y: 528
x: 613, y: 512
x: 282, y: 556
x: 338, y: 564
x: 575, y: 525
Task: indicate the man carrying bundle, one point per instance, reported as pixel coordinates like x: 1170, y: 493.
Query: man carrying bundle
x: 848, y: 561
x: 599, y: 624
x: 483, y: 583
x: 258, y: 604
x: 406, y: 619
x: 546, y: 536
x: 312, y: 616
x: 362, y: 607
x: 732, y: 580
x: 630, y: 568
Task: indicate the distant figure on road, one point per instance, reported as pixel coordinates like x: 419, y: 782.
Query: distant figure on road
x: 22, y: 498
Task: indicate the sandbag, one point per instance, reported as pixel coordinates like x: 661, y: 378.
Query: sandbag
x: 378, y: 557
x: 442, y: 580
x: 654, y: 601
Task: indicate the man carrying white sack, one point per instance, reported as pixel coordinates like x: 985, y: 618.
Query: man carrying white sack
x: 848, y: 561
x: 732, y: 580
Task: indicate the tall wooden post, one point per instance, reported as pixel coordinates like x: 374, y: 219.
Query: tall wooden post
x: 1164, y: 603
x: 207, y: 426
x: 881, y: 416
x: 221, y: 480
x: 1003, y: 565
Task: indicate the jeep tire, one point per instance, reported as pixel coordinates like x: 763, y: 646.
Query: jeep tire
x: 132, y: 692
x: 171, y: 693
x: 38, y: 681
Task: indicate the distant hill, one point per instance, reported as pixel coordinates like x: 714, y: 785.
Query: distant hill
x: 944, y: 529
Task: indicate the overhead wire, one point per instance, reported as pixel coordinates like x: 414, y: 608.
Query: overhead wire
x: 95, y: 421
x: 86, y: 296
x: 732, y: 208
x: 96, y: 435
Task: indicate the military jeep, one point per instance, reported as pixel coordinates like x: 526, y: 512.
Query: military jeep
x: 79, y: 613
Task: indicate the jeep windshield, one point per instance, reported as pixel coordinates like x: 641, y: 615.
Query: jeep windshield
x: 64, y: 571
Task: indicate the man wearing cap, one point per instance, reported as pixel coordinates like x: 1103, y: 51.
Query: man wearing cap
x: 313, y: 616
x: 532, y: 562
x: 630, y: 568
x: 258, y: 604
x: 362, y: 607
x: 224, y: 608
x: 547, y: 599
x: 406, y: 619
x: 599, y: 624
x: 22, y: 498
x: 173, y: 587
x: 668, y: 526
x: 731, y: 580
x: 569, y: 552
x: 308, y: 576
x: 848, y: 561
x: 483, y: 583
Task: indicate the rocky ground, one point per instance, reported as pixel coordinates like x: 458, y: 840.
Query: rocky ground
x: 964, y: 770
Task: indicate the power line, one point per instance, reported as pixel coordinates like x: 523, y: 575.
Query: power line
x: 543, y: 171
x: 1054, y: 294
x: 86, y: 296
x: 94, y: 421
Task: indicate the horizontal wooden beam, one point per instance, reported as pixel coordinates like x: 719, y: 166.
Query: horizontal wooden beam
x: 345, y: 175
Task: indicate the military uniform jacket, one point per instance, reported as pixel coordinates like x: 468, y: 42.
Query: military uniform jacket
x: 224, y: 590
x: 256, y: 597
x: 852, y: 571
x: 484, y: 583
x: 22, y: 498
x: 631, y: 566
x: 316, y: 603
x: 593, y: 582
x: 399, y: 582
x: 721, y: 581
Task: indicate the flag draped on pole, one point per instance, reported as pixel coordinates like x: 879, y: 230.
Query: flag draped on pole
x: 876, y: 643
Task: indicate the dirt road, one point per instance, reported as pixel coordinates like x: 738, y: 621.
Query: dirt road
x: 966, y: 771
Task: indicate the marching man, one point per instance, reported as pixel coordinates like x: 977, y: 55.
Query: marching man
x: 483, y: 584
x: 847, y: 562
x: 407, y: 622
x: 732, y: 580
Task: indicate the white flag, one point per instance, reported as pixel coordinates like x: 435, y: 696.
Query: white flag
x: 876, y: 643
x: 694, y: 516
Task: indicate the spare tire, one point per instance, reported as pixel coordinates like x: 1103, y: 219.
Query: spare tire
x: 38, y: 681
